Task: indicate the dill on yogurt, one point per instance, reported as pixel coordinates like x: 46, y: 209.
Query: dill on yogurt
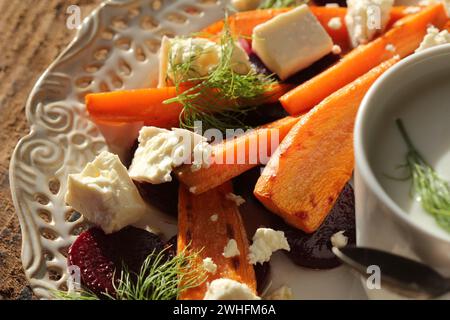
x: 431, y: 190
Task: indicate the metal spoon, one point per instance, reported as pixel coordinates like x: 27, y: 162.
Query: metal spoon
x: 407, y: 277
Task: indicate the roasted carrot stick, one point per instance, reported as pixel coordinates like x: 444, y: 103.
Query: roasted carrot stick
x: 233, y: 157
x: 243, y: 23
x: 198, y: 232
x: 405, y: 37
x: 306, y: 174
x: 147, y: 105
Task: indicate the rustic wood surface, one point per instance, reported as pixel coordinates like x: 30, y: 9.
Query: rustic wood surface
x: 32, y: 33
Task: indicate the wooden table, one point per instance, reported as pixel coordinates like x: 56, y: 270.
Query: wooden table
x: 32, y: 33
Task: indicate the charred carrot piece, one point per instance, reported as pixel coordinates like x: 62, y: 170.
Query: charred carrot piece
x: 311, y: 166
x: 197, y: 232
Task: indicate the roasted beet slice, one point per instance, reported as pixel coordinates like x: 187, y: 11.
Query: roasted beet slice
x: 99, y: 255
x: 162, y: 196
x: 314, y: 250
x: 307, y: 250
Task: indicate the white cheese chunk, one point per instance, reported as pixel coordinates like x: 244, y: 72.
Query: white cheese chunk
x: 161, y: 150
x: 238, y: 200
x: 105, y: 195
x: 265, y: 242
x: 291, y: 41
x: 214, y: 218
x: 282, y: 293
x: 245, y: 5
x: 434, y: 38
x: 227, y: 289
x: 209, y: 265
x: 231, y: 249
x: 367, y: 18
x: 335, y: 23
x: 202, y: 55
x: 339, y: 240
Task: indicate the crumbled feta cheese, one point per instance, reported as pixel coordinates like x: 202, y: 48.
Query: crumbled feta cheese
x: 214, y: 218
x: 238, y: 200
x: 336, y: 49
x: 193, y: 189
x: 231, y: 249
x: 291, y: 41
x: 227, y: 289
x: 332, y: 5
x: 335, y: 23
x: 411, y: 10
x: 203, y: 56
x: 338, y: 239
x: 282, y: 293
x: 160, y: 151
x: 434, y: 38
x: 391, y: 47
x: 105, y: 195
x: 265, y: 242
x: 209, y: 265
x: 245, y: 5
x: 366, y: 18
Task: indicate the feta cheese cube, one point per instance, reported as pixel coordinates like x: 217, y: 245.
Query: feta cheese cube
x: 434, y: 38
x: 105, y: 195
x: 367, y: 18
x: 161, y: 150
x: 265, y: 242
x: 227, y: 289
x: 291, y: 41
x: 202, y: 55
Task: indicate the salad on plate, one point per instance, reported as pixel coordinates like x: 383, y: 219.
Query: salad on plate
x: 246, y: 142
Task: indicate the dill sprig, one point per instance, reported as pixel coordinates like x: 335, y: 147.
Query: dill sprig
x: 223, y: 97
x: 159, y: 278
x: 268, y: 4
x: 432, y: 191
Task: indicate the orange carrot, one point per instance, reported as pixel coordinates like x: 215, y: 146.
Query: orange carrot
x: 308, y: 171
x: 197, y: 232
x: 240, y: 152
x: 405, y: 36
x: 147, y: 105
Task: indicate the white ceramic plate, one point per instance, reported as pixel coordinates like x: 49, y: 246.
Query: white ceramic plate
x: 115, y: 48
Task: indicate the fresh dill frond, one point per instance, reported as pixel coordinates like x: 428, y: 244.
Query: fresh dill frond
x: 432, y: 191
x: 223, y: 97
x: 268, y: 4
x: 160, y: 278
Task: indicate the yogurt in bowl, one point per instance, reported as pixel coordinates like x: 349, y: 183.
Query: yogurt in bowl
x: 388, y: 216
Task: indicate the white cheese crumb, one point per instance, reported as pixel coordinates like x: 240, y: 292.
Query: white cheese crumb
x: 336, y: 49
x: 391, y: 47
x: 338, y: 239
x: 209, y: 265
x: 411, y: 10
x: 434, y: 38
x: 193, y: 189
x: 238, y: 200
x: 105, y: 195
x: 231, y: 249
x: 227, y: 289
x: 366, y: 18
x: 214, y: 218
x: 160, y: 151
x: 265, y: 242
x: 335, y: 23
x: 282, y: 293
x: 332, y: 5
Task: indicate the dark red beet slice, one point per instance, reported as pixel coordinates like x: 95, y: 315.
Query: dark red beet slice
x: 99, y: 255
x: 307, y: 250
x: 162, y: 196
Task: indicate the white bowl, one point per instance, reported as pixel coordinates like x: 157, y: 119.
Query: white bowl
x: 417, y: 89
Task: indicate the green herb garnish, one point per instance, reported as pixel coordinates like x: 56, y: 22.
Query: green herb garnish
x: 432, y: 191
x: 268, y: 4
x: 223, y: 97
x: 158, y: 279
